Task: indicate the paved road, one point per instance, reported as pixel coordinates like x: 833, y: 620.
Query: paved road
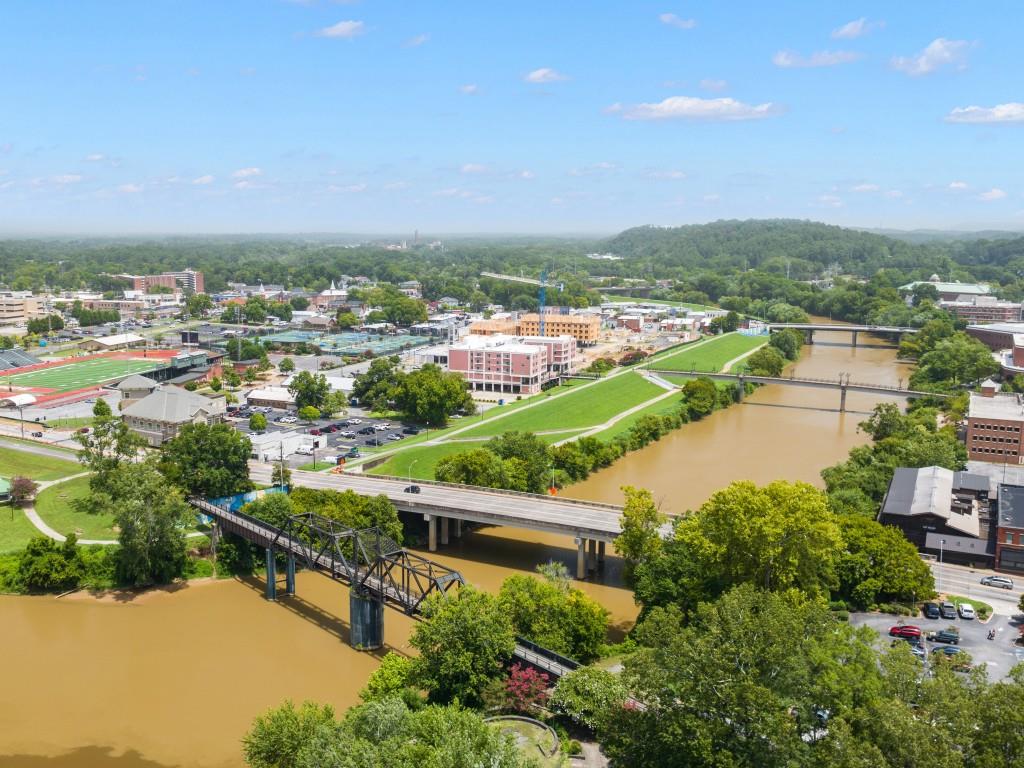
x: 534, y: 512
x: 37, y: 448
x: 965, y: 581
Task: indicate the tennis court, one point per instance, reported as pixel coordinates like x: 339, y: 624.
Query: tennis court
x: 79, y: 375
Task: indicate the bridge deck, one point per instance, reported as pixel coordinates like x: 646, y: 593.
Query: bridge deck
x: 851, y: 386
x: 479, y: 505
x: 847, y: 328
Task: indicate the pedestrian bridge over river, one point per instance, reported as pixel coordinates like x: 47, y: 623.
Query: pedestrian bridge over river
x: 445, y: 506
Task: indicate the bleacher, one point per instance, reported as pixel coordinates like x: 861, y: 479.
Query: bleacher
x: 14, y: 358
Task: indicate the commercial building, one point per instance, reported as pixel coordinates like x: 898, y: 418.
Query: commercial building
x: 18, y: 307
x: 983, y: 309
x: 273, y: 397
x: 937, y: 508
x: 188, y: 280
x: 994, y: 422
x: 160, y: 415
x: 996, y: 336
x: 113, y: 342
x: 950, y: 291
x: 1009, y: 554
x: 511, y: 364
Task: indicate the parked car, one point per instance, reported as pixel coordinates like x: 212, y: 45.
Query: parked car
x: 355, y: 421
x: 394, y: 436
x: 931, y: 610
x: 366, y: 431
x: 411, y: 431
x: 346, y: 433
x: 380, y: 427
x: 947, y: 610
x: 966, y: 611
x: 411, y: 489
x: 949, y: 650
x: 330, y: 429
x: 948, y: 636
x: 905, y: 630
x: 353, y: 453
x: 339, y: 425
x: 315, y: 432
x: 1004, y: 582
x: 304, y: 450
x: 288, y: 419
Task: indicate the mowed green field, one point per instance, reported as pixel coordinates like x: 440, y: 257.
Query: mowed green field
x: 78, y: 375
x: 711, y: 356
x: 588, y: 406
x: 36, y: 466
x: 55, y: 506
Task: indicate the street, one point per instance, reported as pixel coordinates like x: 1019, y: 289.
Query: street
x: 965, y: 581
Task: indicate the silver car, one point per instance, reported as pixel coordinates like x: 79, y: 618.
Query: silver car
x: 1004, y: 582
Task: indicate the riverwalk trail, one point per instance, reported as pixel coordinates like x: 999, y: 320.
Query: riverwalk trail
x: 728, y: 366
x: 30, y: 512
x: 620, y: 416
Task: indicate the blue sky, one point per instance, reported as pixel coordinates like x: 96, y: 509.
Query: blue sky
x: 385, y: 116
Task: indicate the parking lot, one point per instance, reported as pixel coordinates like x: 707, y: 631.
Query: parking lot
x: 337, y: 436
x: 999, y: 654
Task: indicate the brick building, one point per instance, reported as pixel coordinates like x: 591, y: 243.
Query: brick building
x: 983, y: 309
x: 1010, y: 529
x: 994, y: 422
x: 511, y: 364
x: 189, y: 280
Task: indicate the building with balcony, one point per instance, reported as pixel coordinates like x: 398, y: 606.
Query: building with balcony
x: 583, y: 328
x: 18, y: 307
x: 509, y: 364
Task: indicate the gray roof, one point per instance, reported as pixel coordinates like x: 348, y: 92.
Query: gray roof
x: 1011, y: 506
x: 135, y: 382
x: 172, y: 406
x: 970, y: 481
x: 927, y: 491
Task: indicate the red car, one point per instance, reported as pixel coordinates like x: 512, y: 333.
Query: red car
x: 905, y: 630
x: 315, y: 432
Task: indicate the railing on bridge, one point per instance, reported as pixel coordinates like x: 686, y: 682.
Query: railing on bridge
x: 543, y: 659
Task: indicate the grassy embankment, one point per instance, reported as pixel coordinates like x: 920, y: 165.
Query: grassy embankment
x: 54, y: 505
x: 15, y: 528
x: 710, y: 357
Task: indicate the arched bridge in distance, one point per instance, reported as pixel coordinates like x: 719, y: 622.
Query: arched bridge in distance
x: 376, y: 569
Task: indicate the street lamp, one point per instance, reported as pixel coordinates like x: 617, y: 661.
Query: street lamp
x: 939, y: 585
x: 411, y: 465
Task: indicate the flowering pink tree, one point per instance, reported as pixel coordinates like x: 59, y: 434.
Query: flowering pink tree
x: 526, y: 688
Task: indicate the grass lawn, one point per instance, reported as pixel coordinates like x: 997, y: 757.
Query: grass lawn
x: 709, y: 357
x: 984, y: 610
x: 15, y: 529
x: 423, y: 460
x: 54, y: 506
x: 14, y: 462
x: 667, y: 405
x: 533, y: 741
x: 587, y: 407
x: 317, y: 466
x: 71, y: 422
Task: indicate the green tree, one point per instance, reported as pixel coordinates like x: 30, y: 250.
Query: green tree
x: 351, y: 509
x: 640, y: 539
x: 299, y: 303
x: 393, y: 676
x: 279, y: 734
x: 231, y: 378
x: 956, y: 360
x: 700, y: 396
x: 788, y: 341
x: 287, y: 365
x: 198, y: 304
x: 430, y: 395
x: 346, y: 320
x: 589, y: 696
x: 46, y: 565
x: 107, y: 446
x: 767, y: 361
x: 877, y: 564
x: 257, y: 422
x: 309, y: 389
x: 526, y: 460
x: 464, y: 643
x: 209, y: 461
x: 380, y: 381
x: 309, y: 413
x: 216, y: 384
x: 478, y: 466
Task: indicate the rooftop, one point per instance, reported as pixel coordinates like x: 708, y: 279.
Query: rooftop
x: 1011, y: 506
x: 929, y: 491
x: 958, y: 288
x: 135, y: 382
x: 1005, y: 405
x: 999, y: 327
x: 172, y: 406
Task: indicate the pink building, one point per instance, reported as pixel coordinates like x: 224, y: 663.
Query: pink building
x: 511, y: 364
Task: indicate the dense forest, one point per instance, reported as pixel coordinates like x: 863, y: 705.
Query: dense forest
x: 716, y: 259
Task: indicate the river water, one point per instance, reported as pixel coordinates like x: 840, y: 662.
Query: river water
x: 174, y: 678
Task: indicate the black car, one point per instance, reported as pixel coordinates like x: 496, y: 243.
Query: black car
x: 411, y: 489
x: 947, y: 610
x: 931, y: 610
x: 367, y: 431
x: 411, y: 431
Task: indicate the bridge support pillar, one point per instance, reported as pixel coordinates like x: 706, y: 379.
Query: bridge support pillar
x: 458, y: 528
x: 366, y: 622
x: 740, y: 392
x: 592, y: 556
x: 444, y: 531
x: 432, y: 532
x: 271, y: 575
x: 600, y: 553
x: 842, y: 399
x: 854, y: 339
x: 289, y: 575
x: 810, y: 337
x: 581, y: 563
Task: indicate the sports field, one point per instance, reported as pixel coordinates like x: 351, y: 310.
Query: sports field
x: 80, y: 374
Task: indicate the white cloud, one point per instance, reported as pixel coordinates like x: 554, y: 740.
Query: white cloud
x: 417, y: 41
x: 469, y: 89
x: 993, y: 194
x: 203, y: 180
x: 666, y: 175
x: 95, y: 157
x: 675, y: 21
x: 246, y: 173
x: 856, y: 28
x: 247, y: 184
x: 67, y: 178
x: 525, y: 174
x: 712, y: 198
x: 866, y: 188
x: 130, y: 189
x: 712, y: 84
x: 957, y: 186
x: 792, y: 60
x: 693, y: 108
x: 352, y: 188
x: 473, y: 168
x: 344, y: 30
x: 544, y: 75
x: 830, y: 201
x: 939, y: 53
x: 1010, y: 112
x: 7, y: 185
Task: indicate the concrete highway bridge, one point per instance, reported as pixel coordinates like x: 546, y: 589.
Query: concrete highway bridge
x: 810, y: 328
x: 445, y: 506
x: 843, y: 384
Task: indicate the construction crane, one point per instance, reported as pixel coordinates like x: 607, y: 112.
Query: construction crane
x: 542, y: 289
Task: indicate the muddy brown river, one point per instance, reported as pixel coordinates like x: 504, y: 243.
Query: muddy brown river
x: 174, y: 678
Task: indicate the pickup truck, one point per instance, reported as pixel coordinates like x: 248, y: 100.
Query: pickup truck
x: 945, y: 636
